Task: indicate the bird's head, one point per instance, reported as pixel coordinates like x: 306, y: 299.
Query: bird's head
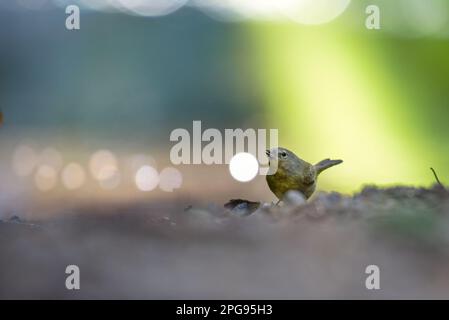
x: 283, y: 159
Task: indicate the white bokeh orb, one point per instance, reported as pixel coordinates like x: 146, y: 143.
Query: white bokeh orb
x: 146, y: 178
x: 312, y: 12
x: 45, y: 178
x: 101, y: 162
x: 73, y: 176
x: 243, y: 167
x: 170, y: 179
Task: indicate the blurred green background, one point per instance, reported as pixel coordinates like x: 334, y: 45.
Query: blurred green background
x: 378, y: 99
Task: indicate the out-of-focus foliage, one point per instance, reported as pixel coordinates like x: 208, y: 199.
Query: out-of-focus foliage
x: 376, y: 98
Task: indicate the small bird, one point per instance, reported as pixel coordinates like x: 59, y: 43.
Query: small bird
x: 294, y: 173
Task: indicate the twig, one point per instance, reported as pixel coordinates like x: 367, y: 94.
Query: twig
x: 436, y: 178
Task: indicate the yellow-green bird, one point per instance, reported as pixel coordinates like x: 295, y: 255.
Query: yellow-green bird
x: 293, y: 173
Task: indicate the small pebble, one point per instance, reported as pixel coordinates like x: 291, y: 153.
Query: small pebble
x: 294, y: 198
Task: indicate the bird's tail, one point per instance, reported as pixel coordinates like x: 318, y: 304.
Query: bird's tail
x: 326, y: 164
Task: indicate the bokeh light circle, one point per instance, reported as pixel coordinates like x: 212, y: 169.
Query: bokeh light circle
x: 146, y: 178
x: 100, y: 163
x: 170, y: 179
x: 73, y: 176
x: 312, y: 12
x: 243, y: 167
x: 152, y: 8
x: 45, y: 178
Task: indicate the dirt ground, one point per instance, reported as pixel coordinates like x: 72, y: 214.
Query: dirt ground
x: 318, y: 249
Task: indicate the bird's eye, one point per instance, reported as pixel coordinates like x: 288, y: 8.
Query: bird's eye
x: 284, y: 154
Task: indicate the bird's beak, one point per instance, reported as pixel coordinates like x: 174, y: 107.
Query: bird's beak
x: 267, y: 152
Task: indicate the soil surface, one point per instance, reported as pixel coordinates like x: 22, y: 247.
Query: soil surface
x: 315, y: 249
